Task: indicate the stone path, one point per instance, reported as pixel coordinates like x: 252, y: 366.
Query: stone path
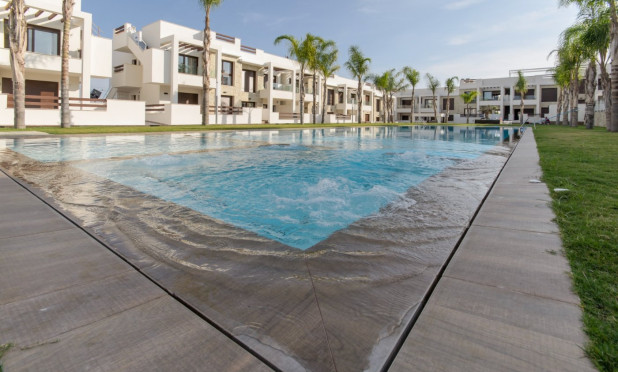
x: 505, y: 301
x: 69, y: 304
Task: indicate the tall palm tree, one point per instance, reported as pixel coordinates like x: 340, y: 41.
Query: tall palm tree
x: 562, y: 77
x: 318, y: 47
x: 327, y: 59
x: 433, y: 84
x: 572, y: 53
x: 300, y: 50
x: 381, y: 83
x: 207, y: 5
x: 468, y: 98
x: 67, y: 15
x: 358, y: 65
x: 613, y: 52
x: 413, y: 77
x: 451, y: 85
x: 521, y: 87
x: 17, y: 43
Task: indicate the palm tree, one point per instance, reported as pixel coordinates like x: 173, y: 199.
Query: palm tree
x: 450, y: 88
x: 413, y: 77
x: 521, y: 87
x: 300, y: 50
x: 572, y: 53
x: 433, y: 84
x: 67, y: 14
x: 381, y: 82
x: 327, y: 59
x: 207, y: 4
x: 562, y: 78
x: 468, y: 98
x: 358, y: 65
x: 17, y: 43
x: 318, y: 47
x: 612, y: 125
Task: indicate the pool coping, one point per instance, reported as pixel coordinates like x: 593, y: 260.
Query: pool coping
x: 400, y: 357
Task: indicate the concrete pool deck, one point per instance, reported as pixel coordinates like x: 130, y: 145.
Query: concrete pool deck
x: 504, y: 302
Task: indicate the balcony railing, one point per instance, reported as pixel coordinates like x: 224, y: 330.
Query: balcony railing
x: 284, y: 87
x: 492, y: 98
x: 518, y: 98
x: 227, y: 39
x: 248, y: 49
x: 50, y: 102
x: 351, y: 101
x: 289, y: 115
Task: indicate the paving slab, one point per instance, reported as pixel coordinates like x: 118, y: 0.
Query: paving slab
x: 67, y: 303
x: 504, y: 302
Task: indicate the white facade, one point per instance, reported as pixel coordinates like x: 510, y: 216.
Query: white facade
x: 162, y: 65
x: 496, y: 100
x: 90, y: 57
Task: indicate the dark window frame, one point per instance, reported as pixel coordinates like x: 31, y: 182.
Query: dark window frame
x: 30, y: 47
x: 225, y: 76
x: 187, y: 68
x: 247, y: 75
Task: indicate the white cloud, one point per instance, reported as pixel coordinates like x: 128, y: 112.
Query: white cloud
x: 461, y: 4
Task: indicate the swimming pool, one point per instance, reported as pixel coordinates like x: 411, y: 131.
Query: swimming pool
x: 294, y: 187
x: 383, y: 207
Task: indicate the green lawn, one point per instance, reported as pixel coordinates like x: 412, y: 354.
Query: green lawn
x: 189, y: 128
x: 586, y: 163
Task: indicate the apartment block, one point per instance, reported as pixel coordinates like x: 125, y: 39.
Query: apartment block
x: 90, y: 57
x: 496, y: 99
x: 161, y: 65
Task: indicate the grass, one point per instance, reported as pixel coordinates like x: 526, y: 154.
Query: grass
x: 3, y: 349
x: 192, y: 128
x: 586, y: 163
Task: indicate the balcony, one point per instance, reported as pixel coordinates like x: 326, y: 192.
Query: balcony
x: 127, y: 76
x: 42, y: 62
x: 283, y: 87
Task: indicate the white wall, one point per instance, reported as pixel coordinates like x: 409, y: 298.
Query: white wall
x: 117, y: 113
x: 101, y: 59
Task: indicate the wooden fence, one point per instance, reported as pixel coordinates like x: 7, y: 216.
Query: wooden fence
x: 52, y: 102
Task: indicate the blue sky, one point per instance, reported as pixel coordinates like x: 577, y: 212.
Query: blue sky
x: 465, y: 38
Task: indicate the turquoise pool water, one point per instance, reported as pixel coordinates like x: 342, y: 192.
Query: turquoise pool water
x: 293, y: 186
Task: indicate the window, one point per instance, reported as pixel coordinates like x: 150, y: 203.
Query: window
x: 406, y: 102
x: 378, y: 105
x: 340, y: 97
x: 248, y: 104
x: 451, y: 102
x: 248, y: 78
x: 43, y: 40
x: 226, y: 101
x: 549, y: 95
x: 367, y: 100
x: 227, y: 73
x: 187, y: 64
x: 188, y: 98
x: 330, y: 97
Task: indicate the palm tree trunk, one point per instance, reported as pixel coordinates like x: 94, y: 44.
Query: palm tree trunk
x: 206, y: 72
x: 17, y: 42
x: 65, y: 114
x: 315, y: 101
x: 302, y: 95
x: 574, y: 101
x: 613, y: 126
x: 559, y: 106
x: 412, y: 108
x: 467, y: 114
x: 566, y: 103
x: 521, y: 109
x: 448, y: 107
x: 591, y: 87
x: 435, y: 108
x: 607, y: 94
x: 358, y: 98
x: 324, y: 101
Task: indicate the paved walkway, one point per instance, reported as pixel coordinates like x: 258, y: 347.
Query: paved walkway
x: 505, y: 301
x: 69, y: 304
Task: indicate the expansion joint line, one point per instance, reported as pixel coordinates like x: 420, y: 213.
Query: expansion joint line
x: 315, y: 295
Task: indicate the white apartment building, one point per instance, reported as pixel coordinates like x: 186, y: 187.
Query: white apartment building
x: 90, y: 57
x: 496, y: 99
x: 162, y: 66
